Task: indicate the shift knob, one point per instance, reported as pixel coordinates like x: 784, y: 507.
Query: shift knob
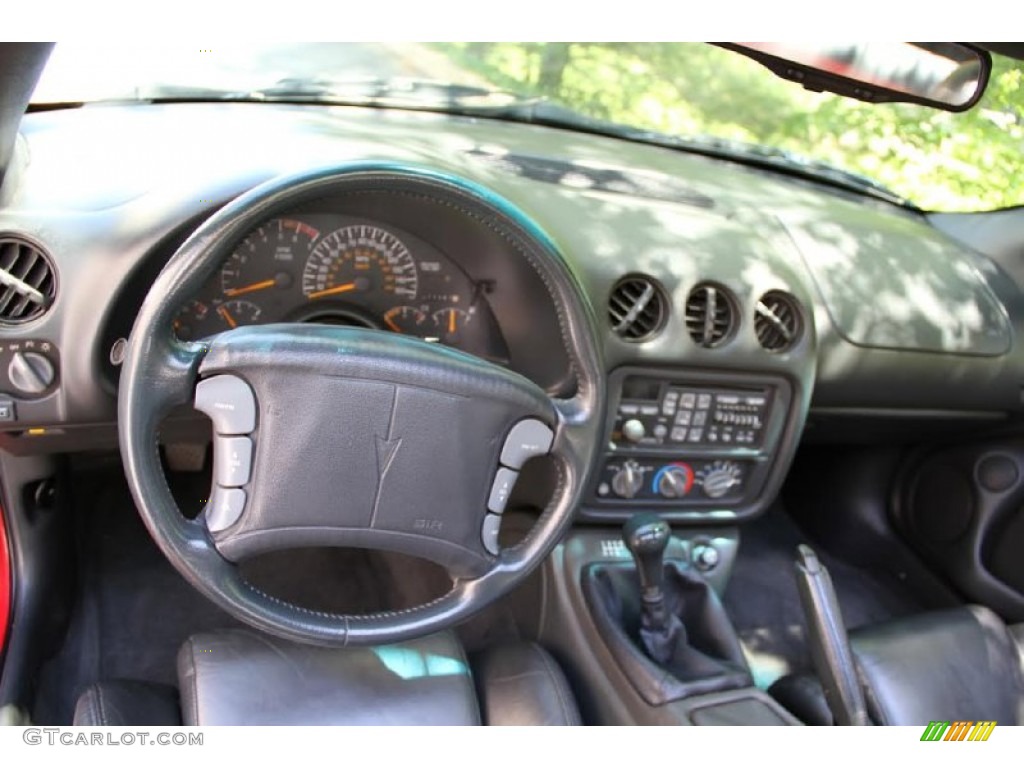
x: 646, y: 536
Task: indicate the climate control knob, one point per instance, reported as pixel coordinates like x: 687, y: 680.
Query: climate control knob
x: 674, y: 481
x: 626, y: 482
x: 720, y: 478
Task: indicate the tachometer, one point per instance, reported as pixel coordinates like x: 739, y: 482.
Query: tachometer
x: 360, y: 259
x: 267, y: 258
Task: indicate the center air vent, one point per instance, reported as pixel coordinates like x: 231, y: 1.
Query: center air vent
x: 637, y: 308
x: 710, y: 315
x: 27, y: 281
x: 777, y: 321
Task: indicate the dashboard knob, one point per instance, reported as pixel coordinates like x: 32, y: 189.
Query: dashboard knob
x: 30, y: 372
x: 633, y: 430
x: 719, y: 479
x: 674, y: 481
x: 705, y: 557
x: 627, y: 481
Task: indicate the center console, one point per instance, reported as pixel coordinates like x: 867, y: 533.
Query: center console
x: 696, y: 446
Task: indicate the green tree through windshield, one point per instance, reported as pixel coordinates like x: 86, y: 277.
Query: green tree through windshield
x: 938, y: 160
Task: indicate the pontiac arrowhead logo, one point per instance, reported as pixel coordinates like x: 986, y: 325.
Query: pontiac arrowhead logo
x: 386, y: 450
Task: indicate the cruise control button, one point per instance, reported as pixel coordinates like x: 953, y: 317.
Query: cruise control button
x: 224, y: 508
x: 501, y: 489
x: 232, y: 460
x: 527, y: 439
x: 229, y: 402
x: 489, y: 533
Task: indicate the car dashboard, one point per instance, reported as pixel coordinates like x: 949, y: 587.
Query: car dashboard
x: 740, y: 311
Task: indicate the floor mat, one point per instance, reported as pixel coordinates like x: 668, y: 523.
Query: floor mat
x: 764, y: 605
x: 134, y: 610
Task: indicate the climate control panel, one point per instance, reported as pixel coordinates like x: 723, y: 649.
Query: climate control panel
x: 657, y: 479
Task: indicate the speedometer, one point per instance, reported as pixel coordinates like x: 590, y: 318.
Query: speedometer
x: 361, y: 259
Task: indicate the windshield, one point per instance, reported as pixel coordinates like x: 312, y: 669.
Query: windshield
x: 937, y: 160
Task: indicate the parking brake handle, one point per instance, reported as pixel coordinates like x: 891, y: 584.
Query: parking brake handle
x: 829, y: 645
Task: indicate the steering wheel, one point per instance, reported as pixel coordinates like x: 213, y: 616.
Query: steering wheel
x: 334, y: 436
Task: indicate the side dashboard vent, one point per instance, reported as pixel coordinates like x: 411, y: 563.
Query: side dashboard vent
x: 710, y: 315
x: 777, y: 321
x: 637, y: 308
x: 28, y: 283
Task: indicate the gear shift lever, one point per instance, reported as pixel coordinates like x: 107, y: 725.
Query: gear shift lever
x: 646, y: 535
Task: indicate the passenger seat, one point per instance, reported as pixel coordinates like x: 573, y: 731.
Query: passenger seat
x: 961, y: 664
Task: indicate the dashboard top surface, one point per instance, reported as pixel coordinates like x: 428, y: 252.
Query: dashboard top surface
x: 110, y: 191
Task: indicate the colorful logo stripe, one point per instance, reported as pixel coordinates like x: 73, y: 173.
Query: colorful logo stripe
x: 961, y: 730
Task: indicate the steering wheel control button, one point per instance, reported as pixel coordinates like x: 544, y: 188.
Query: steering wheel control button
x: 229, y: 402
x: 489, y: 533
x: 232, y: 460
x: 501, y: 489
x: 224, y: 508
x: 527, y: 439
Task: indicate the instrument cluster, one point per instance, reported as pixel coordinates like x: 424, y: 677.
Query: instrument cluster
x: 340, y: 270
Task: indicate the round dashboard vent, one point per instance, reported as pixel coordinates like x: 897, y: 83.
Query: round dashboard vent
x: 777, y: 321
x: 710, y: 315
x: 637, y: 308
x: 27, y: 280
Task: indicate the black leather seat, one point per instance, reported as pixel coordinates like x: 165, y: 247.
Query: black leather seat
x: 242, y: 677
x: 962, y: 664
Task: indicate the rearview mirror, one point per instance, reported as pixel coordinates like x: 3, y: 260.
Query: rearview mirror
x: 949, y: 76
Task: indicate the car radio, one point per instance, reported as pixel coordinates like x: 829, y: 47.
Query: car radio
x: 655, y: 412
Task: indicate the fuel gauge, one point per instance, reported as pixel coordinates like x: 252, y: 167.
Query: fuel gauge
x: 238, y: 312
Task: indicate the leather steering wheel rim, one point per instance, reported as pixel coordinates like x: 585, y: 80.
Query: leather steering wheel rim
x: 161, y: 371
